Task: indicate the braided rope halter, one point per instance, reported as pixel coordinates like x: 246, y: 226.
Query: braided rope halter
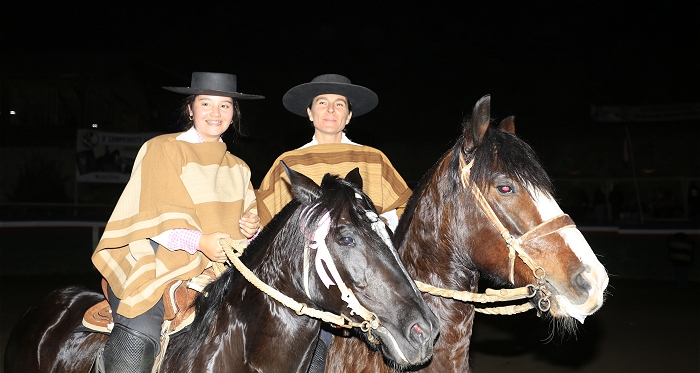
x: 316, y: 241
x: 555, y: 224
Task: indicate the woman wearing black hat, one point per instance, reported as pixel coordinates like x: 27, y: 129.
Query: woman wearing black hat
x: 330, y: 101
x: 186, y: 192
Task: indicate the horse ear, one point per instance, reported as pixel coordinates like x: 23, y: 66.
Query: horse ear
x: 508, y: 124
x: 355, y: 177
x: 479, y: 122
x: 304, y: 189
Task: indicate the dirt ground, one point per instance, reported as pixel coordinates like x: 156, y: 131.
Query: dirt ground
x: 644, y: 326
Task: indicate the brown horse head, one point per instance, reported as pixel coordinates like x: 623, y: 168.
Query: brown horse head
x: 525, y: 221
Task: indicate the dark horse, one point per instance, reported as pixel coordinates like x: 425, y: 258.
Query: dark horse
x: 238, y: 328
x: 448, y: 239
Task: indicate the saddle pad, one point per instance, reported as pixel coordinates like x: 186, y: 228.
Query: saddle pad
x: 178, y: 301
x: 99, y: 318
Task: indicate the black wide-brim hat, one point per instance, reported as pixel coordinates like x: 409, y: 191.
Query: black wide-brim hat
x: 214, y: 84
x: 362, y: 99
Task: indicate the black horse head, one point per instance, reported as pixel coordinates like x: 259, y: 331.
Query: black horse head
x: 329, y: 250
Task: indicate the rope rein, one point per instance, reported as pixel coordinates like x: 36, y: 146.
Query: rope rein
x: 234, y: 250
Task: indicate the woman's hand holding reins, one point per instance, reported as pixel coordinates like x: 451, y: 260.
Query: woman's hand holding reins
x: 209, y: 245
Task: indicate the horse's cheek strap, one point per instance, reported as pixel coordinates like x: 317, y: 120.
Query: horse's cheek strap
x: 323, y: 255
x: 307, y: 254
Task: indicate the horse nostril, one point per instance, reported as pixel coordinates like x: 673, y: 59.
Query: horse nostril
x: 581, y: 282
x: 417, y: 331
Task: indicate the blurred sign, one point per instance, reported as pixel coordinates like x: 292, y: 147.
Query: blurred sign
x: 106, y: 157
x: 656, y: 113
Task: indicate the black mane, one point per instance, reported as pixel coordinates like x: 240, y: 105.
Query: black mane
x: 511, y: 156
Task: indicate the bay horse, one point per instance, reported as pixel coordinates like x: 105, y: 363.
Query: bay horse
x: 241, y: 329
x: 449, y: 237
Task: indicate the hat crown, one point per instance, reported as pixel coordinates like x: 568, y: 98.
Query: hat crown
x: 214, y: 81
x: 331, y: 78
x: 215, y: 84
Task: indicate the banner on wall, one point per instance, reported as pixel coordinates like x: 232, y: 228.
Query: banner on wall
x: 654, y: 113
x: 107, y: 157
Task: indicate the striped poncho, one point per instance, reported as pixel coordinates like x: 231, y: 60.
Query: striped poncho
x: 381, y: 182
x: 174, y: 184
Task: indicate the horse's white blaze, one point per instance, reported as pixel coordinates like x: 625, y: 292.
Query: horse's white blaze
x: 594, y: 274
x: 546, y: 205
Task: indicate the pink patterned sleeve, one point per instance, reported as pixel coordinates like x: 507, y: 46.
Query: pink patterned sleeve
x: 182, y: 239
x: 255, y: 235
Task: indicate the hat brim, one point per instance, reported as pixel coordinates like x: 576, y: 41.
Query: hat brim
x: 197, y: 91
x: 362, y: 99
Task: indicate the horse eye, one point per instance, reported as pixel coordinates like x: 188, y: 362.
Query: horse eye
x: 346, y: 241
x: 505, y: 189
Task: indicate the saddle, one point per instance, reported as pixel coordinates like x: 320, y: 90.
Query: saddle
x: 178, y: 300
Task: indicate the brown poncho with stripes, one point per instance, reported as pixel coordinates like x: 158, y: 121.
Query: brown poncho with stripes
x: 381, y: 182
x: 174, y: 184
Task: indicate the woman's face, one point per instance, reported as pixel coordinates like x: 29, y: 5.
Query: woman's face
x: 330, y: 113
x: 212, y: 115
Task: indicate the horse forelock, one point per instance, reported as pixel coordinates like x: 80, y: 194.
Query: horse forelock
x: 504, y: 153
x: 340, y: 196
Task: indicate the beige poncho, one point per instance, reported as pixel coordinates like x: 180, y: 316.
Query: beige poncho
x: 381, y: 182
x: 174, y: 184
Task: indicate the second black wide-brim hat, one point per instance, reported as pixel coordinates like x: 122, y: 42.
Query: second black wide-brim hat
x: 214, y: 84
x: 362, y: 99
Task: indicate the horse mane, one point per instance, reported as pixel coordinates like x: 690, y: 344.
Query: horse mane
x: 412, y: 202
x: 285, y: 232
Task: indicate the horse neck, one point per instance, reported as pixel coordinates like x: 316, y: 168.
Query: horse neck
x: 280, y: 266
x: 441, y: 210
x: 277, y: 264
x: 432, y: 259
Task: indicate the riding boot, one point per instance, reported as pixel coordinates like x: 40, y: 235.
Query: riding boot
x: 318, y: 361
x: 129, y: 351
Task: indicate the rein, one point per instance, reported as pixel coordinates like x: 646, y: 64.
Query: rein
x: 550, y: 226
x: 234, y: 250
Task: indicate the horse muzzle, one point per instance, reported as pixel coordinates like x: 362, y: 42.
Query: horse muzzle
x: 584, y: 297
x: 412, y: 345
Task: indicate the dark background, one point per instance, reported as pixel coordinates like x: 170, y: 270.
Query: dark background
x: 67, y: 65
x: 429, y: 62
